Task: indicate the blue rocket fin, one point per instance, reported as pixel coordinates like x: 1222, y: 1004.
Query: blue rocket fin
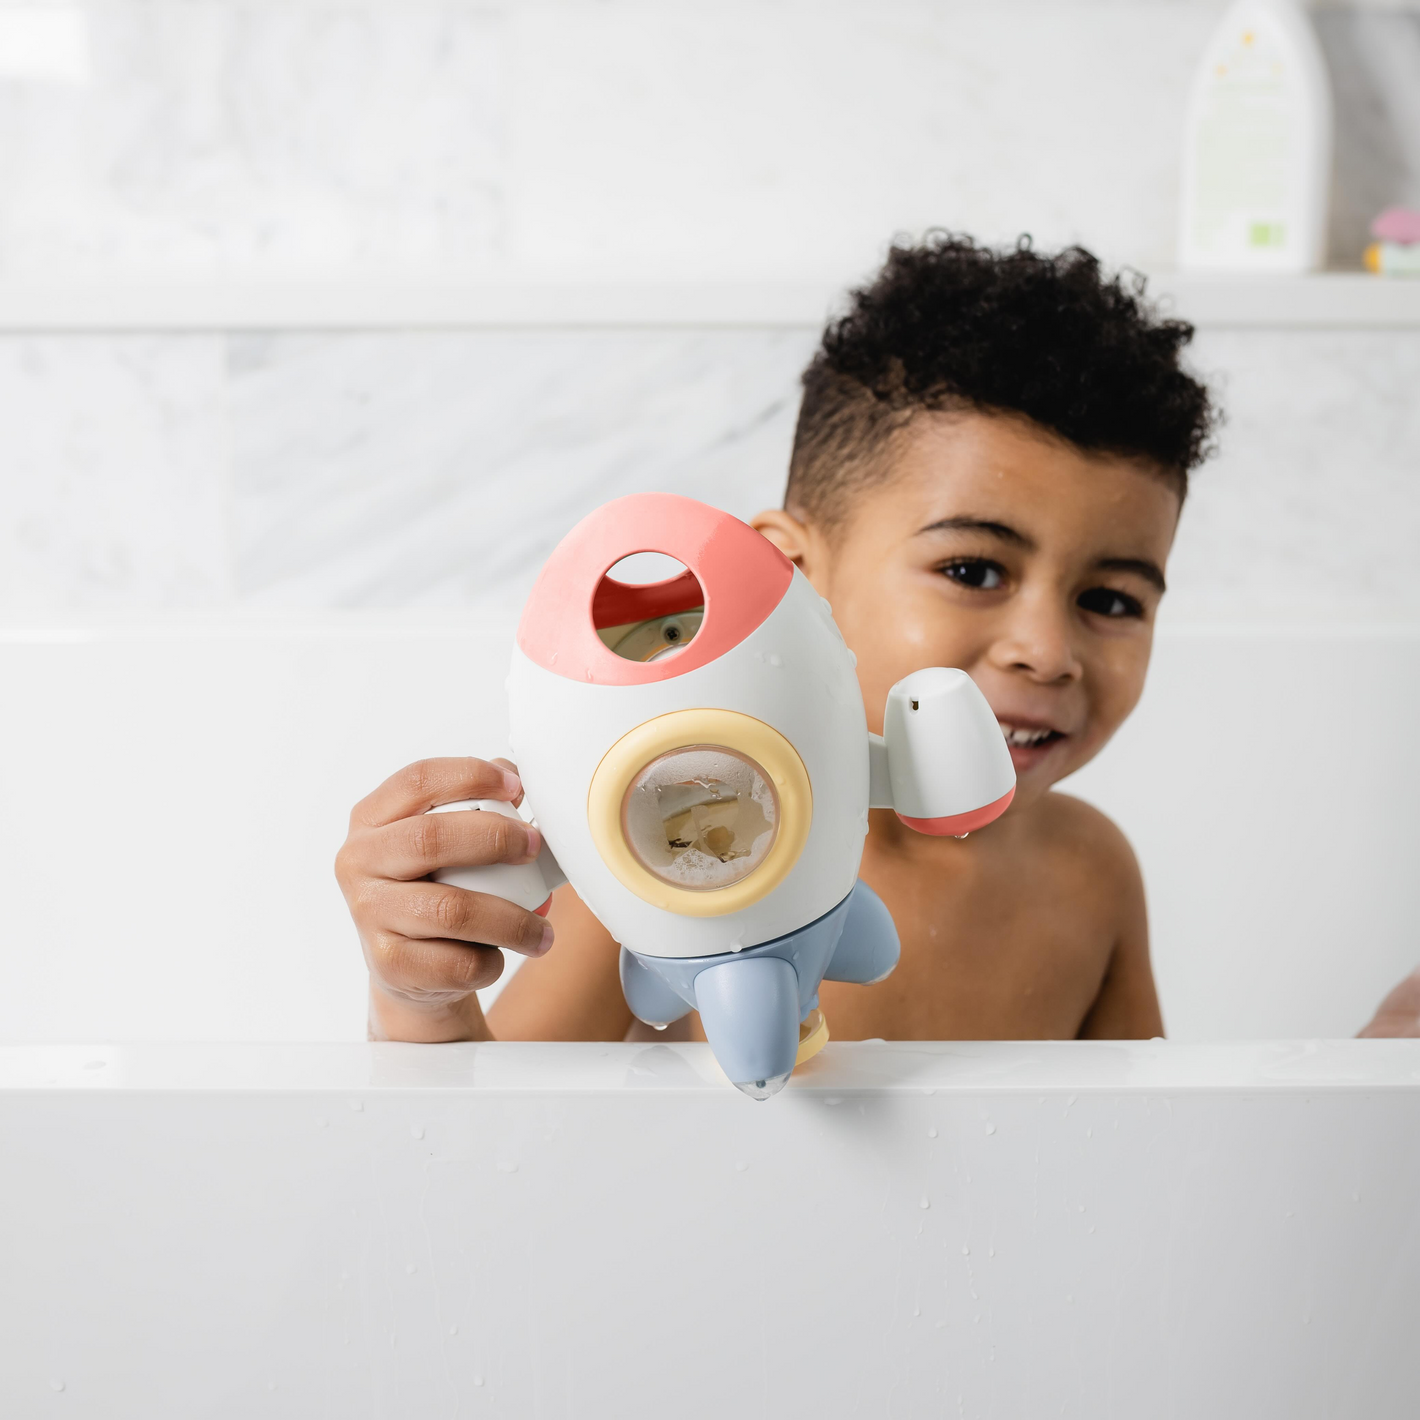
x: 650, y: 998
x: 750, y: 1010
x: 868, y: 949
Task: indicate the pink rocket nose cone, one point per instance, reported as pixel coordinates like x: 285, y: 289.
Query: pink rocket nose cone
x: 738, y: 576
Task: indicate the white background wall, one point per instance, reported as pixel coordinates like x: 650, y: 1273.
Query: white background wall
x: 245, y: 573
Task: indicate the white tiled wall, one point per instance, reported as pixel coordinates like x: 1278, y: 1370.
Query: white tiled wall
x: 632, y: 139
x: 409, y: 470
x: 114, y: 473
x: 439, y: 470
x: 379, y: 483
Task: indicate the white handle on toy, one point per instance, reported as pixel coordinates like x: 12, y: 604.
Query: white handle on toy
x: 527, y: 884
x: 941, y: 755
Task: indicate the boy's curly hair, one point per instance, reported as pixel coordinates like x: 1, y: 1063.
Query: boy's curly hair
x: 948, y: 325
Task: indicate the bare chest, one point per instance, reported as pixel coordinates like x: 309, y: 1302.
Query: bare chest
x: 986, y: 955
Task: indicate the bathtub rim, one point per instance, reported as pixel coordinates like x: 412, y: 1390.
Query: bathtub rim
x: 844, y: 1067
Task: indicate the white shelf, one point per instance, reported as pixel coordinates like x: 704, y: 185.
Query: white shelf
x: 1333, y: 300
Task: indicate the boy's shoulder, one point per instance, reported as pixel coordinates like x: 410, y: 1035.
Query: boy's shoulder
x: 1078, y: 829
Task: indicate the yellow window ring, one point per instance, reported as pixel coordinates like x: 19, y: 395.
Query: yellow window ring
x: 686, y: 730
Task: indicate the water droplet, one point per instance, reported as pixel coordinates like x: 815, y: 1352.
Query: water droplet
x: 929, y: 1092
x: 411, y: 1268
x: 960, y: 836
x: 990, y: 1128
x: 654, y: 1026
x: 740, y: 1166
x: 322, y: 1123
x: 1071, y: 1101
x: 965, y: 1250
x: 1090, y: 1132
x: 271, y: 1385
x: 991, y: 1252
x: 916, y: 1311
x: 926, y: 1202
x: 931, y: 1132
x: 1081, y: 1208
x: 56, y: 1385
x: 453, y: 1330
x: 763, y: 1089
x: 1092, y: 1227
x: 478, y: 1380
x: 507, y: 1166
x: 357, y: 1106
x: 416, y: 1131
x: 774, y: 658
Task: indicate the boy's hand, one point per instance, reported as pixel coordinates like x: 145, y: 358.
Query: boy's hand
x: 1399, y: 1013
x: 431, y: 946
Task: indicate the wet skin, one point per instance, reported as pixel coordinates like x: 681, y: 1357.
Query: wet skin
x: 1037, y: 569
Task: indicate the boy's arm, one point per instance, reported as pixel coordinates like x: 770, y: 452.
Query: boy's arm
x: 574, y: 992
x: 1127, y: 1006
x: 430, y: 946
x: 1399, y: 1013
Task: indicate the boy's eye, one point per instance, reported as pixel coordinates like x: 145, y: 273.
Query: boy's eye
x: 1105, y: 601
x: 975, y: 572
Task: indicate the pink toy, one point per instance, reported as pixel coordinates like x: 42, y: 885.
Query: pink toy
x: 1397, y: 224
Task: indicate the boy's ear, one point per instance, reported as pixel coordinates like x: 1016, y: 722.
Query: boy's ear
x: 785, y: 531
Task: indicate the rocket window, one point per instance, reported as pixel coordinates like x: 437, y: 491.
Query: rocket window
x: 701, y: 817
x: 648, y: 607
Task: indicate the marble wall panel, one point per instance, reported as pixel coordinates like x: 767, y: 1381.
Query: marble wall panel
x: 226, y: 138
x: 1312, y: 504
x: 440, y: 469
x: 421, y: 470
x: 113, y: 490
x: 794, y: 139
x: 408, y: 470
x: 625, y: 140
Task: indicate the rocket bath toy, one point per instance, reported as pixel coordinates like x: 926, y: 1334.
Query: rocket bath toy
x: 697, y: 758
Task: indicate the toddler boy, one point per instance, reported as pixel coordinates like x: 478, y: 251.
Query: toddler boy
x: 990, y: 460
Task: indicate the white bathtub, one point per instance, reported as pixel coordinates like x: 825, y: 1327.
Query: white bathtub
x: 172, y: 796
x: 1102, y: 1230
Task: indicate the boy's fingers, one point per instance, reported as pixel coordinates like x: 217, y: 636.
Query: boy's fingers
x: 512, y: 769
x: 437, y: 910
x: 415, y: 847
x: 429, y: 970
x: 420, y: 786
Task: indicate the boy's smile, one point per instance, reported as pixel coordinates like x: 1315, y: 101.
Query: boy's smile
x: 999, y: 548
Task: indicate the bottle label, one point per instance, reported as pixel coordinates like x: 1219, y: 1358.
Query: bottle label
x: 1243, y: 147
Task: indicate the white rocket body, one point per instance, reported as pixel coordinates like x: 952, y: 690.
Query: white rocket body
x: 792, y: 672
x: 696, y: 755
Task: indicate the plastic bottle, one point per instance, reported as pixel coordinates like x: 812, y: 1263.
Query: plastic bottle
x: 1257, y: 146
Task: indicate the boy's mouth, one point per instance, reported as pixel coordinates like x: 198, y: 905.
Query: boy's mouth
x: 1029, y: 744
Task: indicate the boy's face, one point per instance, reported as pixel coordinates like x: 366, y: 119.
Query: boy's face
x: 994, y: 547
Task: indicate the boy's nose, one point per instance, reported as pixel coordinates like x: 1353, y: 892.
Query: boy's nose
x: 1036, y: 639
